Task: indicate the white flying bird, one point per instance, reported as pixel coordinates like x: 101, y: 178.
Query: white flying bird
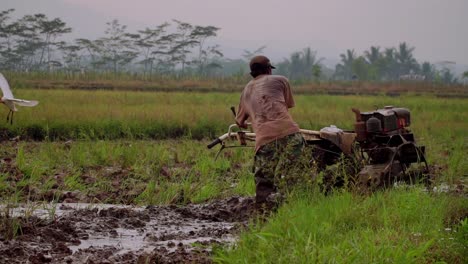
x: 11, y: 101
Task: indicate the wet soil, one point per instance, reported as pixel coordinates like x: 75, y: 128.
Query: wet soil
x: 85, y: 233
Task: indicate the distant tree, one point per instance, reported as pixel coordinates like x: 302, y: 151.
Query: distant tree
x: 376, y: 62
x: 428, y: 70
x: 115, y: 49
x: 51, y: 30
x: 344, y: 70
x: 300, y: 65
x: 309, y: 61
x: 200, y: 34
x: 26, y: 45
x: 234, y: 67
x: 295, y: 66
x: 373, y: 55
x: 389, y: 68
x: 152, y: 43
x: 360, y: 68
x: 8, y: 31
x: 447, y: 77
x: 182, y: 43
x: 404, y: 56
x: 317, y: 72
x: 91, y: 49
x: 19, y: 42
x: 72, y: 59
x: 4, y: 17
x: 465, y: 77
x: 45, y: 32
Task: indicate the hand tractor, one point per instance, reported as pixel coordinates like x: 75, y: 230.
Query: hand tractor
x: 381, y: 147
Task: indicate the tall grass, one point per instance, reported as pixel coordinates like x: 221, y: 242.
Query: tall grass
x: 396, y: 226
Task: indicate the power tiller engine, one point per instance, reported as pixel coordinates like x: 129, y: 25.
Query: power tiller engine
x: 387, y: 145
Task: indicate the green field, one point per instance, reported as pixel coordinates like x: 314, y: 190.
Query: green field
x: 150, y: 148
x: 438, y: 123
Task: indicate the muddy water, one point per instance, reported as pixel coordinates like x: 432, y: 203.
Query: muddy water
x: 98, y: 233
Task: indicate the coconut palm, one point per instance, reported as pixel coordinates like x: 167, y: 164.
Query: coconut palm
x: 345, y: 69
x: 406, y: 62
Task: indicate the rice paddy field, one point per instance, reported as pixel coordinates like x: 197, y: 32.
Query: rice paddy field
x: 147, y: 150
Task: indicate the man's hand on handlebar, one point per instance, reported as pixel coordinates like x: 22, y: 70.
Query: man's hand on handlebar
x: 243, y: 125
x: 241, y: 138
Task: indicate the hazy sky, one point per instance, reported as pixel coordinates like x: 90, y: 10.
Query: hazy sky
x: 438, y: 29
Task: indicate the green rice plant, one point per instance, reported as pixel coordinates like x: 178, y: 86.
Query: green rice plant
x: 51, y: 209
x: 73, y: 182
x: 457, y: 164
x: 185, y: 167
x: 10, y: 226
x: 148, y: 194
x: 78, y: 156
x: 206, y: 192
x: 11, y: 222
x: 5, y: 187
x: 243, y: 184
x: 20, y: 157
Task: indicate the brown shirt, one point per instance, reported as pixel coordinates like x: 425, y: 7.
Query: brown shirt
x: 265, y: 101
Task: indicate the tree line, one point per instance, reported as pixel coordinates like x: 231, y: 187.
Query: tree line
x: 389, y: 64
x: 35, y: 43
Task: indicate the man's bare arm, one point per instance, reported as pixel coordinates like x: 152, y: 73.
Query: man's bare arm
x: 241, y: 115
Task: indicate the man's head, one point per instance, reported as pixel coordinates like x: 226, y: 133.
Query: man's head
x: 260, y: 65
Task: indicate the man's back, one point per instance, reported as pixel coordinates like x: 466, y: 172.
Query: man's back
x: 266, y: 100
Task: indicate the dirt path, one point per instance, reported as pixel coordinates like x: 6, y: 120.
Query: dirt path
x: 83, y: 233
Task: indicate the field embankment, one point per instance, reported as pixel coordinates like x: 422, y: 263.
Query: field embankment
x: 169, y: 83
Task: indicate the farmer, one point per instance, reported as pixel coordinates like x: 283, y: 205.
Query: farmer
x: 278, y: 144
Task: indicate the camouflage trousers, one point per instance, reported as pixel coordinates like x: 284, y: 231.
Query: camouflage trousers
x: 277, y: 166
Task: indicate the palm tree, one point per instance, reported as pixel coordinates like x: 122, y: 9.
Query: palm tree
x: 390, y: 65
x: 373, y: 55
x: 428, y: 71
x: 345, y: 69
x: 405, y: 59
x: 300, y: 65
x: 374, y: 58
x: 465, y: 77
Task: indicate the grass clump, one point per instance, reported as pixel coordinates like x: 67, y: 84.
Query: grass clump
x: 394, y: 226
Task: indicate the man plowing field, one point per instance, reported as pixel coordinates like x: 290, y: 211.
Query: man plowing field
x: 279, y: 144
x: 380, y: 152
